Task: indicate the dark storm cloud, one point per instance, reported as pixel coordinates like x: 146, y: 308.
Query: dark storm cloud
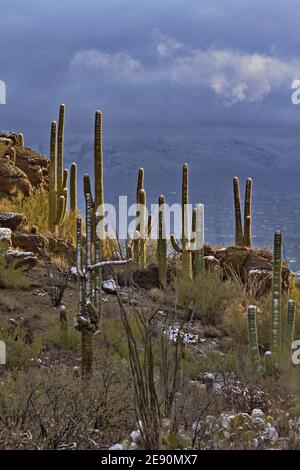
x: 148, y: 64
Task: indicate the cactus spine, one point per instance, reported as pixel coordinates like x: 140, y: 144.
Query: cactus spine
x: 162, y: 244
x: 186, y: 256
x: 252, y: 337
x: 276, y: 299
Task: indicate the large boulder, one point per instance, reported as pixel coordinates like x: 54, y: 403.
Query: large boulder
x: 29, y: 242
x: 24, y: 260
x: 5, y: 239
x: 13, y: 180
x: 35, y: 166
x: 13, y: 220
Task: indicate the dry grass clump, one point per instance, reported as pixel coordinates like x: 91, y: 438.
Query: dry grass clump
x: 12, y: 277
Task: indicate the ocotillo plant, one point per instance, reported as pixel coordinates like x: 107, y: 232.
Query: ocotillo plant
x: 186, y: 256
x: 161, y: 253
x: 89, y: 286
x: 243, y: 239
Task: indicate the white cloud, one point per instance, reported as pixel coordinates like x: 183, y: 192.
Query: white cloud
x: 231, y: 75
x: 166, y: 46
x: 119, y: 65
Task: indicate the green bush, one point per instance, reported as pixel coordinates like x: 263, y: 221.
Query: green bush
x: 12, y: 277
x: 21, y: 347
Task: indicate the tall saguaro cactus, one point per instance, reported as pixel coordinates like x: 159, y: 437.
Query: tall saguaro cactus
x: 252, y: 337
x: 98, y: 161
x: 276, y: 298
x: 289, y: 330
x: 186, y: 256
x: 73, y: 189
x: 89, y: 286
x: 162, y: 244
x: 243, y: 238
x: 58, y: 179
x: 198, y: 229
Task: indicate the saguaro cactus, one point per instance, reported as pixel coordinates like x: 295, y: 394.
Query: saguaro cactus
x: 289, y: 331
x: 198, y: 228
x: 73, y: 189
x: 161, y: 253
x: 276, y: 299
x: 98, y: 162
x: 243, y: 238
x: 58, y: 179
x: 248, y: 214
x: 186, y: 256
x: 89, y: 286
x: 252, y: 337
x: 21, y: 140
x: 238, y: 213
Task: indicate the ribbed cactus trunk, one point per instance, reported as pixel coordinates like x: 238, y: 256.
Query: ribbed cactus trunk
x: 238, y: 213
x: 186, y: 256
x: 289, y: 332
x: 252, y: 337
x: 276, y: 299
x: 73, y: 190
x: 162, y: 244
x: 60, y: 149
x: 198, y: 228
x: 52, y: 195
x: 87, y: 345
x: 248, y: 214
x: 143, y: 228
x: 21, y: 142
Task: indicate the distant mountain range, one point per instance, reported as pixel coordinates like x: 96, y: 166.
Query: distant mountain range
x: 274, y: 165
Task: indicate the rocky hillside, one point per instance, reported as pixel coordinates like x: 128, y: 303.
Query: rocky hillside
x: 21, y: 168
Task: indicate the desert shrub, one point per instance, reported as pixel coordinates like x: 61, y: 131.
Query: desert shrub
x: 12, y: 277
x: 51, y: 409
x: 66, y: 339
x: 207, y: 298
x: 21, y: 346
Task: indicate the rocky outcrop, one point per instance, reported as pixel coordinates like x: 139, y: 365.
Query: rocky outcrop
x: 29, y: 242
x: 13, y: 220
x: 24, y: 260
x: 29, y: 173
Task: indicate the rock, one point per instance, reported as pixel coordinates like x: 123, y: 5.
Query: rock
x: 12, y: 220
x: 29, y: 242
x: 60, y: 247
x: 110, y: 286
x: 13, y: 180
x: 5, y: 239
x: 35, y: 166
x: 21, y: 259
x: 211, y: 263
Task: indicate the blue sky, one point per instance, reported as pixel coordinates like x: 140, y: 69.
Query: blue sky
x: 151, y: 66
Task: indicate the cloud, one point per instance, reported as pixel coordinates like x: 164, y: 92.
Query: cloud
x: 166, y: 46
x: 231, y: 75
x: 119, y: 65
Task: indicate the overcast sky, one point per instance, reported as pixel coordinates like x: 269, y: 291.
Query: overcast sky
x: 150, y: 65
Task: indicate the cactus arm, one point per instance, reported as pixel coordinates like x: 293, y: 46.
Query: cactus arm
x: 276, y: 299
x: 87, y: 188
x: 73, y: 189
x: 98, y: 276
x: 239, y: 239
x: 13, y: 156
x: 117, y: 262
x: 174, y: 244
x: 252, y: 337
x: 88, y: 281
x: 93, y: 313
x: 143, y: 229
x: 248, y: 214
x: 60, y: 148
x: 140, y: 182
